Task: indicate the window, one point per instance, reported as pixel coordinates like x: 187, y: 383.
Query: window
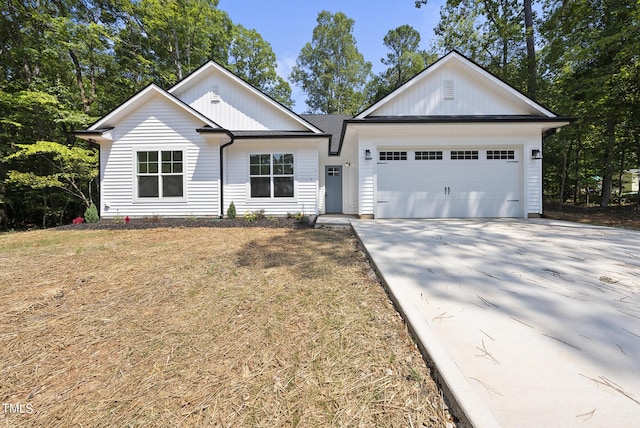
x: 464, y: 154
x: 160, y: 174
x: 501, y: 154
x: 386, y: 156
x: 271, y: 175
x: 429, y: 155
x: 333, y: 171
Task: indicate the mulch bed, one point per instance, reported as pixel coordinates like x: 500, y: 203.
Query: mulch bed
x: 152, y: 223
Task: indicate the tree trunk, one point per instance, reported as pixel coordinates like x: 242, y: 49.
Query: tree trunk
x: 563, y: 182
x: 531, y: 50
x: 86, y: 101
x: 607, y: 177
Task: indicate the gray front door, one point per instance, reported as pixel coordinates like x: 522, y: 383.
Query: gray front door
x: 333, y: 184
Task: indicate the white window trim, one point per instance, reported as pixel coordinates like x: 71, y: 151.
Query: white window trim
x: 272, y: 199
x: 168, y: 199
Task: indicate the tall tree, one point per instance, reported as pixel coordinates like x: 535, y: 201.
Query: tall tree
x: 404, y: 60
x: 592, y: 56
x: 330, y: 69
x: 176, y: 35
x: 252, y: 58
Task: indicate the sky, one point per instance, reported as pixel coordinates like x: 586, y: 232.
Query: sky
x: 288, y: 25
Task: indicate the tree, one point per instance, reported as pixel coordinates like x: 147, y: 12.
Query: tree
x: 253, y: 59
x: 330, y: 69
x: 177, y: 36
x: 404, y: 61
x: 591, y: 55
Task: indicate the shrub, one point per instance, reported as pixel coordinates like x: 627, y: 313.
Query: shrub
x: 249, y: 217
x: 231, y: 211
x: 259, y: 214
x: 91, y: 214
x: 156, y: 218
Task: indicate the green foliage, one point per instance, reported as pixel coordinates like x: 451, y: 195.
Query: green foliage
x: 231, y: 211
x: 252, y: 59
x: 91, y: 214
x: 330, y: 69
x: 249, y: 217
x: 404, y: 60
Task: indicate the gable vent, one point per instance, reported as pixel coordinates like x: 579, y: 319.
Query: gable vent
x: 215, y: 94
x: 449, y: 92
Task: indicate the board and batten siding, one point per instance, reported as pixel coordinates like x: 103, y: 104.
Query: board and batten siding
x: 471, y: 95
x: 236, y: 177
x: 233, y: 106
x: 158, y: 125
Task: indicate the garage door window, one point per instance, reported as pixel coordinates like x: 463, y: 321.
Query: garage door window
x: 387, y: 156
x: 501, y: 154
x: 464, y: 154
x: 430, y: 155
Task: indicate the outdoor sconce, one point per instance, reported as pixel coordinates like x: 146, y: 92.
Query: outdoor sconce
x: 367, y: 154
x: 536, y: 154
x: 347, y: 164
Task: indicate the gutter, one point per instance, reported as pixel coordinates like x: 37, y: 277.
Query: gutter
x: 222, y: 147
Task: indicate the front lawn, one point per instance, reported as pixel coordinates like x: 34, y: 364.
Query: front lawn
x: 203, y: 327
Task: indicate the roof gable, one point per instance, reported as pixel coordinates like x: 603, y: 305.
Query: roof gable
x: 141, y: 98
x: 233, y: 103
x: 455, y: 86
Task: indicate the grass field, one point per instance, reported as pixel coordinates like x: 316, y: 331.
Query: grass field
x: 203, y: 327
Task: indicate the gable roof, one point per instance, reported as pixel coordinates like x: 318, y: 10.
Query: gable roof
x: 456, y: 59
x: 212, y: 66
x: 142, y: 97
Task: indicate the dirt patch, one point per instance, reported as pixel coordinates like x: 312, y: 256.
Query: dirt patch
x: 203, y: 327
x: 625, y: 216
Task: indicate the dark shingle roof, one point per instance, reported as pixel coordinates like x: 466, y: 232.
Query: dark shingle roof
x: 332, y: 124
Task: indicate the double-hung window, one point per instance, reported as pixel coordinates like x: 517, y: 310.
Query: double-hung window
x: 160, y: 174
x: 271, y: 175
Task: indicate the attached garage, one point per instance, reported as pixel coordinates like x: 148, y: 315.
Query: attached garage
x: 432, y: 182
x: 453, y: 142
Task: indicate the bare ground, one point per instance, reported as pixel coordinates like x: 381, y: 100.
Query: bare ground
x: 203, y: 327
x: 625, y: 216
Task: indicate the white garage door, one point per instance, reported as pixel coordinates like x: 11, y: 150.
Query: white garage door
x: 430, y: 183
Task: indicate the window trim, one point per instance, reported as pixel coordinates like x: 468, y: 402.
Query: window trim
x: 165, y: 199
x: 272, y: 176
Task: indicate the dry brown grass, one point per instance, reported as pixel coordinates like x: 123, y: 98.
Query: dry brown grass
x: 203, y: 327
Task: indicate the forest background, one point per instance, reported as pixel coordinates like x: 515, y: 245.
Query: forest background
x: 65, y: 63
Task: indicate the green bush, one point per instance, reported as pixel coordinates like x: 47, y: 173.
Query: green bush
x: 249, y: 217
x: 231, y: 211
x: 91, y: 214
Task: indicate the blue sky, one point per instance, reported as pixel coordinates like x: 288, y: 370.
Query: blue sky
x: 288, y: 24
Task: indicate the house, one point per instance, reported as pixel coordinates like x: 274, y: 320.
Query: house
x: 454, y: 141
x: 630, y: 182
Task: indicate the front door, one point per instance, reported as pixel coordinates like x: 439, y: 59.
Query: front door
x: 333, y: 185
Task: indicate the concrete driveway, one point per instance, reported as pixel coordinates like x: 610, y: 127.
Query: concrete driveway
x: 531, y: 323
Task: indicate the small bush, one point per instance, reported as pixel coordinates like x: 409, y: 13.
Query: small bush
x: 249, y: 217
x: 259, y: 214
x: 91, y: 214
x: 153, y: 219
x: 231, y: 211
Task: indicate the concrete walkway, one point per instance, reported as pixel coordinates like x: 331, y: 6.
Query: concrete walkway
x: 531, y: 323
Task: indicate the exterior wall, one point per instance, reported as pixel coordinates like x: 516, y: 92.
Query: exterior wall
x: 461, y: 135
x: 350, y: 164
x: 472, y: 96
x: 158, y: 126
x: 237, y: 108
x: 306, y: 172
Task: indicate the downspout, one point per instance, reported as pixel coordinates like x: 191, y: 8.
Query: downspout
x: 222, y: 147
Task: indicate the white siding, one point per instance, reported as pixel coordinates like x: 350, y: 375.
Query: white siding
x: 472, y: 95
x: 237, y: 108
x: 158, y: 125
x: 236, y: 177
x: 367, y: 181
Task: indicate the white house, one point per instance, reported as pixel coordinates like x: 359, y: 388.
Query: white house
x: 455, y: 141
